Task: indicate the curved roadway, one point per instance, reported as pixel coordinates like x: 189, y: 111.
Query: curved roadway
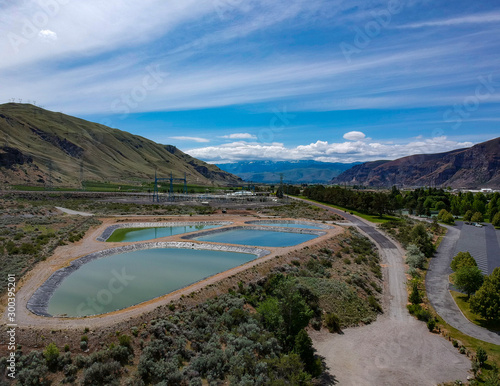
x: 437, y: 286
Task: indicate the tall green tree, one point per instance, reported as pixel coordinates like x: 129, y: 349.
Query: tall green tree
x: 462, y: 259
x: 468, y: 215
x: 496, y: 220
x: 477, y: 217
x: 304, y: 348
x: 421, y: 238
x: 486, y: 300
x: 469, y: 279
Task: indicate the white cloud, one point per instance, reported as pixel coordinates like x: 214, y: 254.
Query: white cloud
x: 354, y: 136
x: 471, y: 19
x: 47, y: 35
x: 239, y: 136
x: 325, y: 151
x: 193, y: 139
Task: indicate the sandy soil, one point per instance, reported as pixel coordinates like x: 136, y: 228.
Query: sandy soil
x: 65, y: 254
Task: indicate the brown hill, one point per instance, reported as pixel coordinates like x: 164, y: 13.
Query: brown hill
x: 39, y: 145
x: 474, y: 167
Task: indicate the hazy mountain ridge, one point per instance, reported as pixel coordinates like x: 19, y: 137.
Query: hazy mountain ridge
x: 303, y: 171
x: 40, y: 146
x: 474, y: 167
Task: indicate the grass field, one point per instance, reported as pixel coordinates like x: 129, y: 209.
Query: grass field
x: 463, y: 304
x: 119, y: 234
x: 369, y: 217
x: 94, y: 186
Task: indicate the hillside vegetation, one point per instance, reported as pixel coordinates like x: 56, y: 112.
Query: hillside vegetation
x: 49, y: 149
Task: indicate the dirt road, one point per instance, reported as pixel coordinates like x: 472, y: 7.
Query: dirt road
x: 397, y: 349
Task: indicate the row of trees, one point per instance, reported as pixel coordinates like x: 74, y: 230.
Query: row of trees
x: 475, y: 207
x: 378, y: 203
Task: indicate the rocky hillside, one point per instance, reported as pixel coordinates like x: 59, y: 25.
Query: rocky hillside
x: 474, y: 167
x: 37, y: 145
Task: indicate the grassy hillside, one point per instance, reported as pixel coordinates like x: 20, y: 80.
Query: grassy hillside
x: 44, y: 148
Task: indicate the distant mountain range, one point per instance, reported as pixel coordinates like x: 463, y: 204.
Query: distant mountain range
x: 293, y: 171
x: 474, y: 167
x: 40, y: 146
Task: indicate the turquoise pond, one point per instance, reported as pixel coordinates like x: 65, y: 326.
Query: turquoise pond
x: 123, y: 280
x: 255, y: 237
x: 142, y: 234
x: 289, y: 225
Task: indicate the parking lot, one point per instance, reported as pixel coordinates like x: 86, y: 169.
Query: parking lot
x: 483, y: 243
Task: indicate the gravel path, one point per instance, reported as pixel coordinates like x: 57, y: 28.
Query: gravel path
x: 437, y: 286
x: 397, y: 349
x: 73, y: 212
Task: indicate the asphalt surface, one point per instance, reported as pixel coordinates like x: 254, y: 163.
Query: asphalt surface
x: 482, y: 243
x: 437, y: 284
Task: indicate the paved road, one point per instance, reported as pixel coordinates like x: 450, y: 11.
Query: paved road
x: 396, y: 349
x: 437, y: 283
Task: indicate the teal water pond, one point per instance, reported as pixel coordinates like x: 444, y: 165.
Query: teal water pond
x: 255, y: 237
x: 289, y: 225
x: 141, y: 234
x: 123, y: 280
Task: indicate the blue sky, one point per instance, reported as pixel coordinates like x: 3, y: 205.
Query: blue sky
x: 229, y: 80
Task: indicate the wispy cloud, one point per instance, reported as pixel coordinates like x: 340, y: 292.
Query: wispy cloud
x: 470, y: 19
x: 192, y: 139
x: 239, y: 136
x: 254, y: 57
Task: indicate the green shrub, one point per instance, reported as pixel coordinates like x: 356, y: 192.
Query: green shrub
x: 424, y: 315
x: 374, y: 304
x: 125, y: 340
x: 481, y: 356
x: 332, y: 322
x: 51, y: 355
x: 414, y: 309
x: 415, y: 297
x: 414, y: 257
x: 102, y: 374
x: 431, y: 324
